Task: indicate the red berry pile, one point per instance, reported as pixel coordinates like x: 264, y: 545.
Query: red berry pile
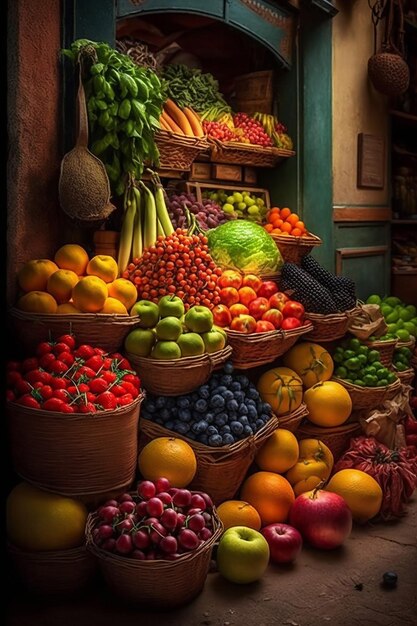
x: 253, y: 130
x: 218, y: 130
x: 67, y: 379
x: 160, y: 522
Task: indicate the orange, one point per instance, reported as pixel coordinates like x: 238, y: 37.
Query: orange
x: 60, y: 285
x: 360, y: 491
x: 306, y: 484
x: 37, y: 302
x: 296, y: 232
x: 38, y: 520
x: 293, y: 219
x: 168, y: 457
x: 311, y: 361
x: 277, y: 223
x: 89, y: 294
x: 268, y: 227
x: 271, y: 494
x: 300, y: 225
x: 238, y: 513
x: 282, y: 388
x: 314, y: 464
x: 111, y: 305
x: 67, y: 309
x: 279, y: 452
x: 285, y: 212
x: 328, y: 403
x: 72, y: 257
x: 123, y: 290
x: 286, y: 227
x: 33, y: 276
x: 103, y: 266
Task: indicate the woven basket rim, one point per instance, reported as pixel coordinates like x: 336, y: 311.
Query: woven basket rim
x: 183, y: 140
x: 249, y: 148
x: 303, y: 240
x: 329, y: 430
x: 407, y: 344
x: 197, y: 361
x: 47, y: 555
x: 111, y: 318
x: 365, y: 390
x: 270, y: 335
x: 40, y: 413
x: 301, y: 410
x: 381, y: 343
x: 331, y: 317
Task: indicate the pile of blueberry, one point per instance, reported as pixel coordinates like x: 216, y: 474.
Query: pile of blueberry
x: 224, y: 410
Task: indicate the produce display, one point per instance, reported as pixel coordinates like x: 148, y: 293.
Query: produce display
x: 360, y: 365
x: 276, y: 130
x: 284, y: 222
x: 181, y: 121
x: 401, y: 318
x: 226, y: 409
x: 243, y: 204
x: 167, y: 332
x: 67, y: 378
x: 208, y: 213
x: 157, y: 522
x: 401, y: 359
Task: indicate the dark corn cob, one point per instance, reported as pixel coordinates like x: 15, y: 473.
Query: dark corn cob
x: 305, y: 289
x: 343, y: 299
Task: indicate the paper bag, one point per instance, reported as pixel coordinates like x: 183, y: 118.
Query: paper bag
x: 367, y: 321
x: 383, y: 421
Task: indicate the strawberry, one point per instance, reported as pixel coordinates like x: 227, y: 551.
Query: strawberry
x: 29, y: 401
x: 68, y: 339
x: 98, y: 385
x: 53, y: 404
x: 107, y: 400
x: 84, y: 351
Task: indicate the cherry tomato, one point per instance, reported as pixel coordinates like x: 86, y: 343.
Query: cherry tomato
x: 29, y: 401
x: 58, y: 367
x: 95, y: 362
x: 59, y: 383
x: 53, y: 404
x: 107, y: 400
x: 98, y: 385
x: 46, y: 392
x: 84, y: 351
x: 68, y: 339
x: 29, y: 364
x: 61, y: 394
x: 46, y: 360
x: 45, y: 347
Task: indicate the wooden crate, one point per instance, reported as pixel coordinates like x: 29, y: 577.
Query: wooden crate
x: 197, y: 189
x: 229, y: 173
x: 200, y: 171
x: 249, y: 175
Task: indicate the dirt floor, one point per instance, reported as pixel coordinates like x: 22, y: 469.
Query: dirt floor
x: 341, y: 587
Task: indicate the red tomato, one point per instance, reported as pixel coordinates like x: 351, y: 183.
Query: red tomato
x: 46, y: 360
x: 53, y: 404
x: 95, y: 362
x: 45, y: 347
x: 29, y: 364
x: 84, y: 351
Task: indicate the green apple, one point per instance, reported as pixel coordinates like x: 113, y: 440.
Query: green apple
x: 392, y: 301
x: 148, y: 312
x: 213, y: 341
x: 168, y: 329
x: 199, y: 319
x: 220, y: 330
x: 403, y: 334
x: 411, y: 328
x: 171, y: 306
x: 166, y: 350
x: 374, y: 299
x: 392, y: 317
x: 191, y: 344
x: 140, y: 341
x: 242, y: 555
x: 386, y: 309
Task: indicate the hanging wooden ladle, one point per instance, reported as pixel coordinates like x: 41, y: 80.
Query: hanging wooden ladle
x: 84, y: 187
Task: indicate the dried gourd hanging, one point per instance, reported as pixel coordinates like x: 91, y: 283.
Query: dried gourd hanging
x: 387, y: 69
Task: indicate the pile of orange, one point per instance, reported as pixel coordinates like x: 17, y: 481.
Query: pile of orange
x: 284, y: 222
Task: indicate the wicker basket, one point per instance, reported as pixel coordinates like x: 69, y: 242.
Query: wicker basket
x: 336, y: 439
x: 177, y: 152
x: 177, y: 376
x: 329, y: 327
x: 157, y: 583
x: 61, y: 572
x: 220, y: 471
x: 292, y: 421
x: 257, y: 349
x: 75, y: 454
x: 103, y: 329
x: 385, y: 348
x: 233, y: 152
x: 369, y: 397
x: 293, y: 249
x: 407, y: 344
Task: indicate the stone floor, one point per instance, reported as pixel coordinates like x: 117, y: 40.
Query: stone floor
x: 340, y: 588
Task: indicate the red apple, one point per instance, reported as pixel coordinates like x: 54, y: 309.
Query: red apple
x: 288, y: 323
x: 274, y: 316
x: 258, y: 307
x: 278, y: 300
x: 238, y: 309
x: 230, y: 278
x: 229, y: 296
x: 264, y: 327
x: 221, y: 315
x: 243, y: 324
x: 322, y: 517
x: 246, y: 295
x: 267, y: 289
x: 285, y: 542
x: 292, y: 308
x: 251, y: 280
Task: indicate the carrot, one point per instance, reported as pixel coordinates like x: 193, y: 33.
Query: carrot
x: 179, y: 117
x: 194, y: 122
x: 173, y: 126
x: 163, y: 124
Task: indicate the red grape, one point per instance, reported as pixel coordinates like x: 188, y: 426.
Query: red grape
x: 162, y: 484
x: 205, y: 533
x: 108, y: 513
x: 169, y: 519
x: 168, y: 544
x: 124, y: 544
x: 127, y: 506
x: 188, y: 539
x: 194, y: 511
x: 173, y: 557
x: 182, y: 497
x: 155, y: 507
x: 109, y: 545
x: 180, y: 520
x: 173, y: 490
x: 141, y: 509
x: 165, y: 497
x: 141, y: 539
x: 138, y: 555
x: 207, y: 518
x: 157, y: 533
x: 207, y: 499
x: 146, y: 489
x: 151, y: 555
x: 125, y: 524
x: 110, y: 503
x: 198, y: 501
x: 105, y: 531
x: 196, y: 523
x: 125, y: 497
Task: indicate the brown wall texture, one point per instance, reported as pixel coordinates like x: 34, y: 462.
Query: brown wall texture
x: 33, y: 101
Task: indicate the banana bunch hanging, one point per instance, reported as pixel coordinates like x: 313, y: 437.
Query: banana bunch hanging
x: 275, y: 130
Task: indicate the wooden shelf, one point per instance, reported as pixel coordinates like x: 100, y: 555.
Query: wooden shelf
x: 408, y: 118
x: 404, y: 221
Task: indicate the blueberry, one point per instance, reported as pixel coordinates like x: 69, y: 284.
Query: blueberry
x: 247, y: 431
x: 232, y: 405
x: 184, y: 415
x: 183, y: 402
x: 221, y: 389
x: 236, y: 428
x: 215, y: 440
x: 204, y: 391
x: 259, y: 406
x: 199, y: 427
x: 227, y: 439
x: 250, y: 402
x: 235, y: 386
x: 150, y: 407
x: 243, y: 420
x: 160, y: 402
x: 266, y: 408
x: 164, y: 414
x: 227, y: 395
x: 203, y: 438
x: 243, y: 409
x: 252, y: 393
x: 170, y: 402
x: 252, y: 412
x: 174, y: 412
x: 264, y: 417
x: 221, y: 419
x: 239, y: 396
x: 225, y: 429
x: 226, y: 380
x: 181, y: 427
x: 201, y: 405
x: 258, y: 424
x: 191, y: 435
x: 194, y: 397
x: 390, y: 579
x: 212, y: 430
x: 169, y: 424
x: 243, y: 380
x: 144, y: 413
x: 209, y: 417
x: 228, y: 367
x: 217, y: 401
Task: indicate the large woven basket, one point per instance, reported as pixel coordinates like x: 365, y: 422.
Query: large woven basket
x: 257, y: 349
x: 385, y: 348
x: 293, y: 249
x: 369, y: 397
x: 220, y: 471
x: 177, y: 152
x: 406, y: 377
x: 292, y: 420
x: 59, y: 572
x: 233, y: 152
x: 75, y: 454
x: 177, y: 376
x: 407, y: 344
x: 336, y: 439
x: 329, y: 327
x: 104, y: 329
x: 156, y: 583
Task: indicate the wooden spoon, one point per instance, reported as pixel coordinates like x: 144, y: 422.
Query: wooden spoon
x: 84, y: 187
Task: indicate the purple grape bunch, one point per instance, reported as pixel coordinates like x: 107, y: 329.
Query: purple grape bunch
x: 208, y: 213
